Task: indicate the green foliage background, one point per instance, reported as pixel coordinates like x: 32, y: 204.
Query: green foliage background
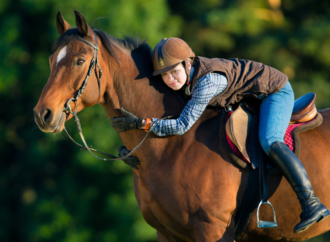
x: 49, y: 191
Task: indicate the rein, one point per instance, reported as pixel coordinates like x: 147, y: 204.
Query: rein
x: 75, y: 116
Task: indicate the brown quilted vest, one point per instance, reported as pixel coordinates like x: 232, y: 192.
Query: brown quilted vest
x: 245, y: 78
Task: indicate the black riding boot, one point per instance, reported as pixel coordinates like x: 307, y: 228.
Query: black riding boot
x: 294, y: 171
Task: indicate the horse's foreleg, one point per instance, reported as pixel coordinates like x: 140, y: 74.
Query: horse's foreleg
x: 161, y: 238
x: 212, y: 233
x: 169, y: 238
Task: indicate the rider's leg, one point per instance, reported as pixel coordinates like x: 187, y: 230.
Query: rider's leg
x: 275, y: 113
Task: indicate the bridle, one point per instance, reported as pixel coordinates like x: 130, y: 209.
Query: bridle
x: 75, y: 116
x: 91, y: 67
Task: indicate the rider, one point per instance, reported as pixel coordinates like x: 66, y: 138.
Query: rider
x: 222, y: 82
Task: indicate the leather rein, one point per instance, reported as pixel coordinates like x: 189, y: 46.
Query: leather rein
x: 75, y: 116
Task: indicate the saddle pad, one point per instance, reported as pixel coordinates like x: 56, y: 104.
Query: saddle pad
x: 288, y: 139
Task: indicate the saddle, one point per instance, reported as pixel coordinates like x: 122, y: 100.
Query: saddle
x: 239, y: 124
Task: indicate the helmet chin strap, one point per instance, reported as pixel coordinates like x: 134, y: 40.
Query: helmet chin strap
x: 187, y: 89
x: 186, y: 64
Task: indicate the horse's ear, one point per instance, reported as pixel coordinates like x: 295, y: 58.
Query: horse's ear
x: 82, y: 25
x: 61, y: 24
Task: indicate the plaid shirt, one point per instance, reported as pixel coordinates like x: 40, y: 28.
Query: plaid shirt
x: 205, y: 89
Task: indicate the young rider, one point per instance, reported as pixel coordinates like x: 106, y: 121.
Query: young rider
x: 222, y: 82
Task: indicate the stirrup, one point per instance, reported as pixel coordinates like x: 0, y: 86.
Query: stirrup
x: 266, y: 224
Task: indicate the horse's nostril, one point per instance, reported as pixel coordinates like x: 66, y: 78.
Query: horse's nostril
x: 47, y: 115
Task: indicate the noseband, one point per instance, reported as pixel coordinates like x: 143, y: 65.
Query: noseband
x: 75, y: 116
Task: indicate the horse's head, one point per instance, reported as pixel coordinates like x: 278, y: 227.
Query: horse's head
x: 69, y: 67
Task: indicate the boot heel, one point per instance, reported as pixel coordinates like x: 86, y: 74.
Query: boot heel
x: 320, y: 219
x: 324, y: 216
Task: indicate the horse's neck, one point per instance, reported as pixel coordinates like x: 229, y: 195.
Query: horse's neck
x: 128, y: 86
x: 131, y: 86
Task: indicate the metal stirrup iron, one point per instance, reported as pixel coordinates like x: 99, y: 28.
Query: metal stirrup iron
x: 266, y: 224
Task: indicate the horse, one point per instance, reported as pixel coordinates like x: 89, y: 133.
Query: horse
x: 187, y: 188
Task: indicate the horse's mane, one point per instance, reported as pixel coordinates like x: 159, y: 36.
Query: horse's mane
x: 129, y: 43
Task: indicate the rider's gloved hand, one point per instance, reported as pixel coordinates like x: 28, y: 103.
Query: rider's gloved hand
x: 132, y: 161
x: 129, y: 122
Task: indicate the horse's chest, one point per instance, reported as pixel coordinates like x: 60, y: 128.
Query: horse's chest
x: 161, y: 202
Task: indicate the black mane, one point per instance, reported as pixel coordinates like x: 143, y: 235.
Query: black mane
x: 129, y: 43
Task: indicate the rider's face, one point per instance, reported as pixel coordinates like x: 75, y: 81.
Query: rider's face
x: 176, y: 77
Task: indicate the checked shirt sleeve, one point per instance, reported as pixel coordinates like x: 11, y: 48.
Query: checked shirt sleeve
x: 205, y: 89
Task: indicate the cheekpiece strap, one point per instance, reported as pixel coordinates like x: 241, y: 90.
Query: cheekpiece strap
x: 91, y: 67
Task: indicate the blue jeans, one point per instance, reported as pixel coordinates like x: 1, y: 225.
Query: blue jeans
x: 275, y: 114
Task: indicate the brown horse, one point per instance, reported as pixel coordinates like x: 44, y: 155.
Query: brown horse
x: 186, y: 187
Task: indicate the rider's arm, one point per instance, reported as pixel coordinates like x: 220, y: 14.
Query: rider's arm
x: 205, y: 89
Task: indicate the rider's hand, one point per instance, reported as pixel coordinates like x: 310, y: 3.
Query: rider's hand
x: 132, y: 161
x: 126, y: 123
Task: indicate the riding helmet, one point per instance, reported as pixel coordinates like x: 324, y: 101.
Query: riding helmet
x: 169, y: 53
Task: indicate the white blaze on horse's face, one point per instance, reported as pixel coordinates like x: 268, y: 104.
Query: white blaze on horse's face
x: 61, y: 55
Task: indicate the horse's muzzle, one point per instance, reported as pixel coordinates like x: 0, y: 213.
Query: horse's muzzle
x: 48, y: 122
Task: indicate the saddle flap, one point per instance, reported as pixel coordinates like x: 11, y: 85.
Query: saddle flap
x: 238, y: 129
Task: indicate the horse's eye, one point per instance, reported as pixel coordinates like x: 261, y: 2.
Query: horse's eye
x: 80, y: 62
